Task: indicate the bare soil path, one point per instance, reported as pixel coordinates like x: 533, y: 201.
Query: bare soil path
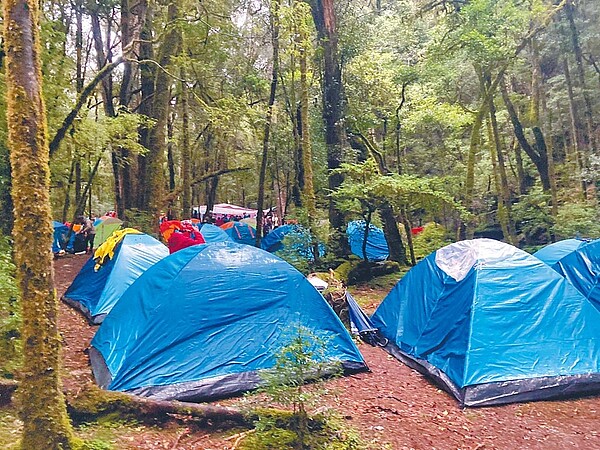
x: 393, y: 407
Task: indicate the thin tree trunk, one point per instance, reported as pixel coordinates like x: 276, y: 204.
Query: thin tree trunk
x: 186, y: 153
x: 574, y: 34
x: 147, y: 76
x: 309, y: 189
x: 42, y: 410
x: 502, y: 211
x: 274, y: 22
x: 576, y: 138
x: 504, y: 192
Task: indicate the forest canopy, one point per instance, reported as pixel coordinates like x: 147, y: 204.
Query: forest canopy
x: 156, y: 106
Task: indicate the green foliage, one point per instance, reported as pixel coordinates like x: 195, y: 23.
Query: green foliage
x: 140, y: 220
x: 10, y: 315
x: 577, y: 219
x: 533, y: 217
x: 433, y: 237
x: 304, y: 359
x: 364, y: 190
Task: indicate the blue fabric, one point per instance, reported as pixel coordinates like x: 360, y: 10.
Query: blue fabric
x: 98, y: 291
x: 377, y: 247
x: 511, y: 317
x: 242, y: 233
x: 294, y: 238
x: 213, y: 310
x: 59, y: 241
x: 552, y: 253
x: 581, y: 267
x: 272, y: 242
x: 212, y: 233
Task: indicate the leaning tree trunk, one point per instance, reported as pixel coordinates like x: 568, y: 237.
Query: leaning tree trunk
x: 43, y: 411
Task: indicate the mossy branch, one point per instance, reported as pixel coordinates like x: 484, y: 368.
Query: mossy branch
x: 85, y: 94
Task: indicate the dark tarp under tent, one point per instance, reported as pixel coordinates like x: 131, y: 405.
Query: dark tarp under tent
x: 492, y: 324
x: 95, y: 290
x: 579, y: 262
x: 204, y: 323
x: 377, y: 247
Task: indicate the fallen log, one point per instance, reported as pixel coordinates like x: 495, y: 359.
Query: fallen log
x: 93, y: 403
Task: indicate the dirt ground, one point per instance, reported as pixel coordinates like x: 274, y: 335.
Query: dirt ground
x: 392, y: 406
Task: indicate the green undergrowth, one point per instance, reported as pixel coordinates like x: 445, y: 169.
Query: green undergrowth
x: 275, y: 431
x: 10, y: 316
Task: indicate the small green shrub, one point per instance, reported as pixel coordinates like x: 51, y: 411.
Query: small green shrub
x: 304, y: 359
x: 577, y: 219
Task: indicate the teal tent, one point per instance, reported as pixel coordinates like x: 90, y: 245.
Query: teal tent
x: 493, y: 324
x: 206, y: 321
x: 579, y: 262
x: 95, y: 291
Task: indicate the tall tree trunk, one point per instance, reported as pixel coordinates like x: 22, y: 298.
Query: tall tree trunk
x: 155, y: 181
x: 503, y: 216
x: 538, y: 156
x: 576, y: 137
x: 186, y: 152
x: 504, y: 191
x: 574, y: 34
x: 103, y: 59
x: 274, y: 22
x: 333, y: 110
x: 43, y: 411
x: 147, y: 76
x: 308, y: 194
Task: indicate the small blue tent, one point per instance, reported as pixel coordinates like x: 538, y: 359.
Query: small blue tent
x: 205, y: 321
x: 212, y: 233
x: 293, y: 237
x: 492, y: 324
x: 377, y: 247
x: 240, y: 232
x: 579, y: 262
x: 59, y: 241
x: 272, y: 242
x: 552, y: 253
x: 95, y: 293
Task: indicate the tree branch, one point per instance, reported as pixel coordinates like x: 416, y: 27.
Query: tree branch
x: 87, y: 91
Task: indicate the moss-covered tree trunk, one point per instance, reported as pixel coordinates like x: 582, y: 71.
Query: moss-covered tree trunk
x: 43, y: 412
x: 186, y: 152
x: 155, y: 181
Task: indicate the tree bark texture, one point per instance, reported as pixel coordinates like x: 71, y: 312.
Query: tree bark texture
x: 333, y: 109
x: 186, y: 151
x: 42, y: 405
x: 155, y: 180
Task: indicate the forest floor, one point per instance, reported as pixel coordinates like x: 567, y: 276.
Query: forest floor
x: 391, y: 407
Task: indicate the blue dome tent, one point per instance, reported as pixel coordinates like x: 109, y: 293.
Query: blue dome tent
x: 272, y: 242
x: 240, y: 232
x: 492, y: 324
x: 377, y: 247
x: 205, y: 321
x: 295, y: 238
x: 95, y: 292
x: 212, y: 233
x: 578, y: 262
x: 552, y: 253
